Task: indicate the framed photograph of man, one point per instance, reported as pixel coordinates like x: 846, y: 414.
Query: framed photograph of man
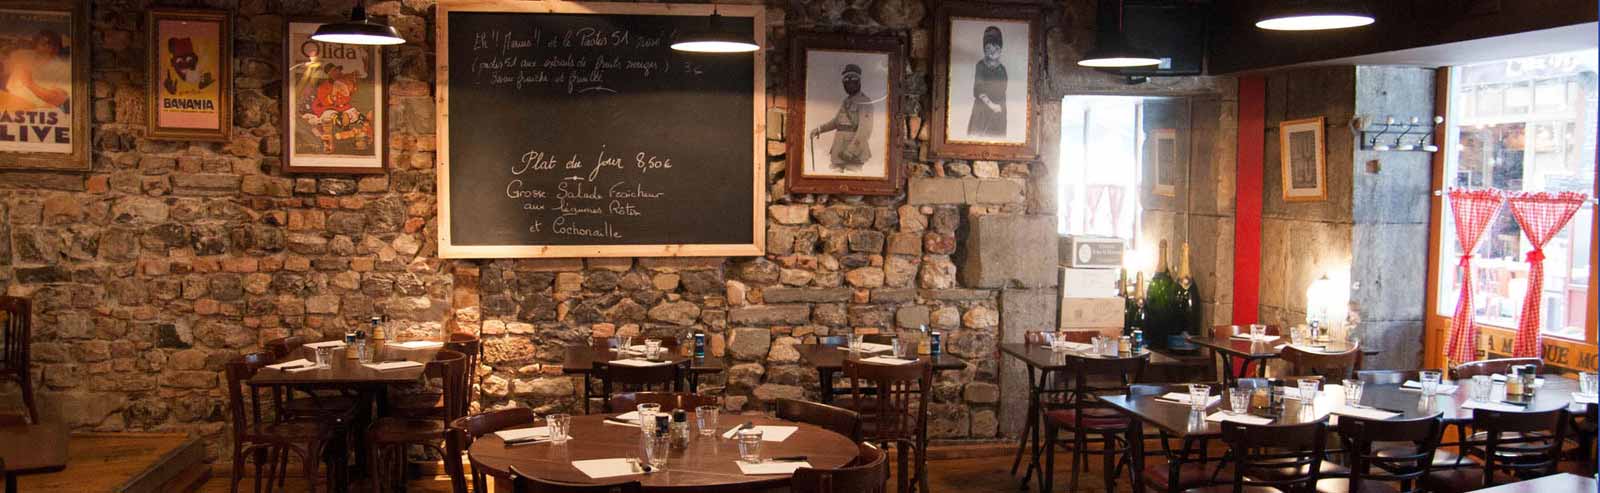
x: 1164, y: 158
x: 983, y: 63
x: 44, y: 91
x: 1302, y: 152
x: 190, y: 78
x: 843, y: 133
x: 333, y: 105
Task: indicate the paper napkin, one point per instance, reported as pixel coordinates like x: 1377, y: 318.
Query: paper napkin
x: 1220, y: 416
x: 523, y: 433
x: 870, y: 347
x: 1364, y: 412
x: 1415, y: 386
x: 1492, y: 406
x: 392, y: 365
x: 606, y: 468
x: 770, y: 467
x: 287, y: 364
x: 768, y: 433
x: 885, y: 360
x: 1246, y: 337
x: 638, y: 362
x: 334, y: 344
x: 418, y: 344
x: 1182, y: 398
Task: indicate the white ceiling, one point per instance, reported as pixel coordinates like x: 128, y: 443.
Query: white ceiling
x: 1556, y: 40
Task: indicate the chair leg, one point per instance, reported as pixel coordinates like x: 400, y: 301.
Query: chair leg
x: 903, y: 482
x: 238, y: 469
x: 27, y: 394
x: 310, y: 463
x: 261, y: 456
x: 1080, y: 460
x: 1048, y: 475
x: 1108, y: 455
x: 281, y: 467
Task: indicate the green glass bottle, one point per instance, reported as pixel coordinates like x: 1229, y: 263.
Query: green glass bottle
x: 1188, y: 303
x: 1162, y: 319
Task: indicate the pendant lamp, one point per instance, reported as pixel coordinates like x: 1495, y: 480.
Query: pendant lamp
x: 1314, y: 15
x: 358, y: 31
x: 719, y: 36
x: 1111, y: 47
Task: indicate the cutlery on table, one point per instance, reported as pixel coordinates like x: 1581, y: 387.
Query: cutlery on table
x: 792, y: 458
x: 615, y: 421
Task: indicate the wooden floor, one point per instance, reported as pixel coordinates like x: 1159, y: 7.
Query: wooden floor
x: 134, y: 462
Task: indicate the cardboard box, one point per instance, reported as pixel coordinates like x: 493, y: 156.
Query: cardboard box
x: 1091, y: 313
x: 1091, y: 252
x: 1089, y: 283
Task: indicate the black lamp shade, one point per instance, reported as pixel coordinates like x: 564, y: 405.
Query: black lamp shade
x: 1314, y: 15
x: 719, y: 36
x: 358, y: 31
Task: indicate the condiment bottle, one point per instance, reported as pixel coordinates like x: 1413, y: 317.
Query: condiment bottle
x: 662, y: 424
x: 350, y: 345
x: 1514, y: 383
x: 680, y: 429
x: 1125, y: 344
x: 376, y: 341
x: 1530, y: 377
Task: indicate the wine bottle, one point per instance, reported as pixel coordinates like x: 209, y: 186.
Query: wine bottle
x: 1161, y: 304
x: 1188, y: 302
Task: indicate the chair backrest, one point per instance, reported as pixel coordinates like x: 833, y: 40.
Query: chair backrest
x: 14, y: 338
x: 832, y: 418
x: 1257, y: 449
x: 1403, y: 466
x: 244, y: 400
x: 1492, y: 366
x: 1335, y: 366
x: 899, y: 407
x: 282, y: 347
x: 869, y: 475
x: 1388, y: 377
x: 669, y: 401
x: 664, y: 377
x: 450, y: 368
x: 467, y: 344
x: 522, y: 483
x: 466, y: 429
x: 1536, y: 457
x: 878, y: 338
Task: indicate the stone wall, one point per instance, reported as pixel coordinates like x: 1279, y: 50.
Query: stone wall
x: 169, y: 258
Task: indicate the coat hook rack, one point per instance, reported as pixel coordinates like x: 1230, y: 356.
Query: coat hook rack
x: 1375, y: 136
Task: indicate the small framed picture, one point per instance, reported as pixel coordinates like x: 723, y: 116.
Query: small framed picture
x: 1164, y: 157
x: 333, y: 105
x: 983, y: 102
x: 44, y: 98
x: 190, y: 93
x: 1303, y: 153
x: 843, y: 136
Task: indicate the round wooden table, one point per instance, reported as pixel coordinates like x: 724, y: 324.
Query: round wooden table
x: 708, y: 463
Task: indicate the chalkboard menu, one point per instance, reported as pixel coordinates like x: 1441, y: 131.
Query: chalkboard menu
x: 573, y: 129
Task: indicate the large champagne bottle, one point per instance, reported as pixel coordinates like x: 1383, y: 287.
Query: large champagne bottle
x: 1161, y: 304
x: 1188, y: 301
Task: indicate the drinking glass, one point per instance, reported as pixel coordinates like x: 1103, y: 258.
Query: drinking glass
x: 1308, y: 390
x: 647, y: 417
x: 1588, y: 383
x: 749, y: 445
x: 559, y: 425
x: 904, y: 347
x: 1430, y: 382
x: 1058, y: 344
x: 1199, y: 394
x: 624, y: 343
x: 1239, y: 400
x: 855, y: 342
x: 1258, y: 332
x: 1482, y: 388
x: 324, y: 356
x: 1352, y: 391
x: 1110, y: 348
x: 705, y: 417
x: 652, y: 348
x: 656, y: 447
x: 1297, y: 335
x: 364, y: 352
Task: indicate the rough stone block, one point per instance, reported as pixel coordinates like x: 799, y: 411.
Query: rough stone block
x: 805, y: 295
x: 770, y: 315
x: 750, y: 343
x: 1004, y: 250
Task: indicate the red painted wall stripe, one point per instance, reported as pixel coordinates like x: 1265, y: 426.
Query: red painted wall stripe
x: 1247, y: 210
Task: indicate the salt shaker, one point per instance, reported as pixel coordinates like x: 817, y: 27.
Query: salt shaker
x: 680, y: 429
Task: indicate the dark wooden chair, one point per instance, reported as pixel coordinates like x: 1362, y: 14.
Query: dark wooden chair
x: 15, y: 360
x: 1370, y: 469
x: 1533, y: 456
x: 466, y: 429
x: 261, y: 436
x: 430, y: 404
x: 669, y: 401
x: 1272, y: 457
x: 1332, y: 367
x: 450, y: 368
x: 897, y: 413
x: 832, y: 418
x: 282, y: 347
x: 1388, y: 377
x: 1053, y: 386
x: 878, y: 338
x: 522, y: 483
x: 869, y: 474
x: 1197, y: 468
x: 1086, y: 417
x: 638, y: 378
x: 1466, y: 371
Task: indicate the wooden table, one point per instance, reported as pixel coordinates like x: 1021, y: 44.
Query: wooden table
x: 32, y: 449
x: 1549, y: 484
x: 829, y: 360
x: 707, y: 463
x: 1176, y: 421
x: 1252, y: 351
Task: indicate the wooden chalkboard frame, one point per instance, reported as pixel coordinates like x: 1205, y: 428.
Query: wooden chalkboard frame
x: 758, y: 184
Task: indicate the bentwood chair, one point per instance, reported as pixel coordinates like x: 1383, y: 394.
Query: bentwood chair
x: 1196, y: 467
x: 1466, y: 371
x: 1272, y: 457
x: 450, y: 368
x: 1332, y: 367
x: 14, y: 342
x: 869, y: 474
x: 465, y: 430
x: 1371, y: 469
x: 1052, y: 385
x: 261, y: 436
x: 645, y: 378
x: 430, y: 404
x: 832, y: 418
x: 1086, y: 417
x: 669, y: 401
x: 523, y: 483
x: 1534, y: 456
x: 897, y: 413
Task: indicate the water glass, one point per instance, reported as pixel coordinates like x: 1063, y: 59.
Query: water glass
x: 1239, y: 400
x: 856, y: 340
x: 1430, y: 382
x: 749, y: 444
x: 1308, y: 390
x: 324, y: 356
x: 1588, y: 383
x: 652, y: 348
x: 1199, y: 395
x: 1352, y: 391
x: 1258, y: 332
x: 656, y: 448
x: 1482, y: 388
x: 905, y: 347
x: 1297, y: 335
x: 1058, y: 344
x: 647, y: 417
x: 705, y: 418
x: 364, y: 352
x: 560, y: 425
x: 1110, y: 348
x: 624, y: 342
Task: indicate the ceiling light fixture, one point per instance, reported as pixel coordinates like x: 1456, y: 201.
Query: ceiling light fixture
x: 358, y: 31
x: 1111, y: 48
x: 1314, y: 15
x: 719, y: 36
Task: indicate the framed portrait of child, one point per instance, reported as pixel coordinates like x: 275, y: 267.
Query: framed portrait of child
x: 333, y: 105
x: 982, y: 96
x: 190, y: 75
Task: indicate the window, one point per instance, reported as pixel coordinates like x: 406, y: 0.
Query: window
x: 1525, y: 124
x: 1100, y: 152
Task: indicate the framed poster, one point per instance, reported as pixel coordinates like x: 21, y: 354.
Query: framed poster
x: 983, y: 65
x: 44, y: 101
x: 1164, y: 156
x: 843, y: 137
x: 333, y: 105
x: 1302, y: 151
x: 191, y: 75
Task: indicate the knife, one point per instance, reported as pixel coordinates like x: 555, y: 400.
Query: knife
x: 615, y: 421
x: 792, y: 458
x: 639, y: 468
x: 525, y: 441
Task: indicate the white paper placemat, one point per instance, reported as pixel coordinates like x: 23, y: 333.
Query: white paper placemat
x: 1364, y: 412
x: 523, y: 433
x: 1415, y: 386
x: 392, y: 365
x: 1183, y: 398
x: 1492, y: 406
x: 287, y: 364
x: 629, y: 416
x: 418, y: 344
x: 870, y: 347
x: 1578, y: 398
x: 768, y: 433
x: 324, y: 344
x: 770, y: 467
x: 886, y: 360
x: 1220, y: 416
x: 606, y: 468
x: 638, y: 362
x: 1078, y: 346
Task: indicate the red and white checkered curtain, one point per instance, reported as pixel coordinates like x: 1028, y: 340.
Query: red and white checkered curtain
x: 1541, y: 215
x: 1474, y: 210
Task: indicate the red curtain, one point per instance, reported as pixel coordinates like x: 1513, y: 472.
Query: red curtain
x: 1473, y: 210
x: 1541, y: 215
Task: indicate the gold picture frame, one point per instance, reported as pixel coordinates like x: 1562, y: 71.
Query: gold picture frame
x: 45, y: 127
x: 1303, y: 152
x: 190, y: 81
